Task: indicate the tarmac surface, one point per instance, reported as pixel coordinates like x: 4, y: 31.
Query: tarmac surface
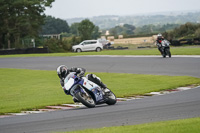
x: 177, y: 65
x: 176, y: 105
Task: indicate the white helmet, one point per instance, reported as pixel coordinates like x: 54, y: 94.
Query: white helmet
x: 62, y: 71
x: 159, y: 35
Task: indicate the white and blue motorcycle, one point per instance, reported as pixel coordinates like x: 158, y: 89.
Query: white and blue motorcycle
x: 87, y: 92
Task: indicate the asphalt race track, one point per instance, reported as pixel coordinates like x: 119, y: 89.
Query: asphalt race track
x: 177, y: 65
x: 178, y: 105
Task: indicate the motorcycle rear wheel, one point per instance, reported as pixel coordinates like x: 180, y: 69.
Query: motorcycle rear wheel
x: 85, y: 99
x: 111, y: 98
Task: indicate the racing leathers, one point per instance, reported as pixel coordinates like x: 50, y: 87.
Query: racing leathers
x: 158, y: 43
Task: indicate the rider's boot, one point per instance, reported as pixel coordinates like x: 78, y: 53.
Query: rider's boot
x: 106, y: 90
x: 97, y: 80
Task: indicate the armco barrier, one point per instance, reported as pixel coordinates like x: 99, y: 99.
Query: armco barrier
x: 24, y: 51
x: 195, y: 41
x: 186, y: 41
x: 175, y: 43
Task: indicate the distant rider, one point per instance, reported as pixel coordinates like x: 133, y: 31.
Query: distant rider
x: 63, y: 71
x: 159, y: 40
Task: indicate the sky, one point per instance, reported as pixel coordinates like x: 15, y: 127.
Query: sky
x: 65, y: 9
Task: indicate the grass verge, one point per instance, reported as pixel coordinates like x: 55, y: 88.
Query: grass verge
x: 152, y: 51
x: 23, y: 89
x: 176, y: 126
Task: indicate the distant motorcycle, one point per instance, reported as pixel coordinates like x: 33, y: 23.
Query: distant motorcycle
x: 87, y: 92
x: 165, y: 48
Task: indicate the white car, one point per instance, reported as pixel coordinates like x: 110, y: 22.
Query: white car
x: 88, y: 45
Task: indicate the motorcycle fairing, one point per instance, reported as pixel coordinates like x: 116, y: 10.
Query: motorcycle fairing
x: 98, y: 95
x: 73, y: 85
x: 94, y: 88
x: 165, y: 43
x: 68, y: 83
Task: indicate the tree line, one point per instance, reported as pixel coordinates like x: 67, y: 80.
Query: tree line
x: 185, y: 31
x: 128, y: 30
x: 85, y: 29
x: 20, y: 19
x: 23, y: 22
x: 71, y: 35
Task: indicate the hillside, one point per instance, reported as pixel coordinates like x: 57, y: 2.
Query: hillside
x: 107, y: 22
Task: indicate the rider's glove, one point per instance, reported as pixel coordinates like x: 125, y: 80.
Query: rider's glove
x: 81, y: 75
x: 79, y: 72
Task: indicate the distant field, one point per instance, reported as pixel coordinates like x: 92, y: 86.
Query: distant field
x: 136, y: 40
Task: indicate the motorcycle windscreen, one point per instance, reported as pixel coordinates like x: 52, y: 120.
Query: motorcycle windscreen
x: 69, y: 83
x: 165, y: 43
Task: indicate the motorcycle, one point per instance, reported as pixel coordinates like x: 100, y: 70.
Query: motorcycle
x: 87, y: 92
x: 165, y: 48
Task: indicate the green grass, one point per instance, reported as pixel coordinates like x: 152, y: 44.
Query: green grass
x: 191, y: 125
x: 23, y: 89
x: 28, y: 89
x: 152, y: 51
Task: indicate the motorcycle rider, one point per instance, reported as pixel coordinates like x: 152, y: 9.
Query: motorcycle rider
x: 63, y: 71
x: 159, y: 40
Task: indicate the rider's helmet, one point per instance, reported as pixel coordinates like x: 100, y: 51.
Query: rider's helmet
x: 62, y: 71
x: 159, y: 35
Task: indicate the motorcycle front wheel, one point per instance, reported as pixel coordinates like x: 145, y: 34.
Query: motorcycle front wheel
x: 163, y: 52
x: 111, y: 98
x: 164, y: 55
x: 85, y: 99
x: 168, y: 53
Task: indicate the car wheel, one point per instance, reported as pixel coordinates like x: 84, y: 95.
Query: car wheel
x: 78, y: 50
x: 98, y: 49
